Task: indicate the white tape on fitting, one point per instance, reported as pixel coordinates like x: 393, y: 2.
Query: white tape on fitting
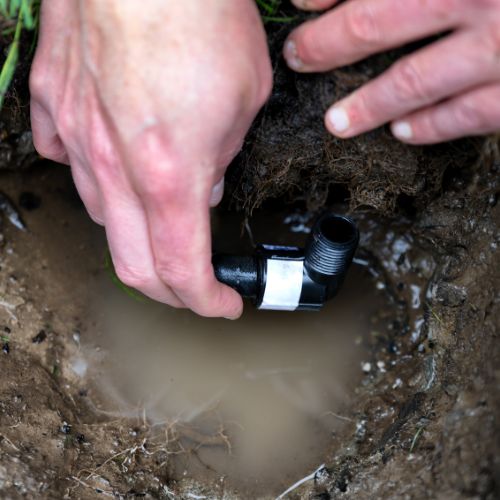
x: 283, y: 284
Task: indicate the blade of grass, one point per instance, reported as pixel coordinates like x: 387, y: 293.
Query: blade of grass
x: 108, y: 265
x: 415, y: 438
x: 269, y: 7
x: 14, y: 8
x: 25, y: 13
x: 273, y: 19
x: 9, y: 67
x: 3, y: 9
x: 270, y: 10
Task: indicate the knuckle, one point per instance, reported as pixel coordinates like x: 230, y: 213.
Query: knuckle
x: 362, y: 25
x: 159, y: 187
x: 366, y: 109
x: 162, y: 174
x: 54, y: 152
x: 42, y: 147
x: 175, y: 274
x: 66, y: 123
x: 162, y: 183
x: 408, y: 82
x: 173, y: 303
x: 468, y: 115
x: 37, y: 81
x: 99, y: 156
x: 131, y: 276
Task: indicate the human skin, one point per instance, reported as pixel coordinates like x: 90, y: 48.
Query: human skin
x: 148, y: 102
x: 447, y: 90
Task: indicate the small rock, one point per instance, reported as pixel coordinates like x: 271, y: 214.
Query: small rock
x: 397, y: 383
x: 66, y: 428
x: 79, y: 366
x: 39, y: 337
x: 360, y: 432
x: 450, y: 295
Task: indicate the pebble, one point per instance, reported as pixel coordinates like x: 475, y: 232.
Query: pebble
x: 366, y: 367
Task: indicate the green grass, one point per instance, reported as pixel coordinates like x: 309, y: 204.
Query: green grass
x: 415, y: 438
x: 131, y: 292
x: 270, y: 11
x: 16, y: 16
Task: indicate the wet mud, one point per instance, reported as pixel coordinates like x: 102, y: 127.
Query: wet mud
x: 417, y: 418
x: 246, y: 406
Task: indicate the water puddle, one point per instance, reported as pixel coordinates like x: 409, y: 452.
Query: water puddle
x: 253, y: 401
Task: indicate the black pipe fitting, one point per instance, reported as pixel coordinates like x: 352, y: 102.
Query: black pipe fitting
x: 291, y: 278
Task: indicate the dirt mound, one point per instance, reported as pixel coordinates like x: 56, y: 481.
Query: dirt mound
x: 289, y: 154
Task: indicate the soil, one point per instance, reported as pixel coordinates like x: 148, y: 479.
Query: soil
x: 423, y: 423
x: 290, y: 155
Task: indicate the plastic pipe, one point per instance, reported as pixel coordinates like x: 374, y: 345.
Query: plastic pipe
x: 291, y: 278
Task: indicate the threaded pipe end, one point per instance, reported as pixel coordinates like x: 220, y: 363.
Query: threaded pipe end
x: 330, y: 250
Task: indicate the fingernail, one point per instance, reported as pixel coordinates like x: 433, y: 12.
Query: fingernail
x: 402, y: 130
x: 217, y: 193
x: 338, y: 119
x: 290, y: 53
x: 231, y: 319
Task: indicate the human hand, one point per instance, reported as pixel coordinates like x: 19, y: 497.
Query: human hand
x: 149, y: 101
x: 446, y: 90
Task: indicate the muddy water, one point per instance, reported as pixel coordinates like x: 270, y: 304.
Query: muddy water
x: 262, y: 394
x: 254, y: 401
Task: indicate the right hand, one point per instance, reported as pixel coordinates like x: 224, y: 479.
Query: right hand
x: 149, y: 102
x: 446, y: 90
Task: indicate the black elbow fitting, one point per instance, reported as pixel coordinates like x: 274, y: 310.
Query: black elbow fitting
x: 291, y: 278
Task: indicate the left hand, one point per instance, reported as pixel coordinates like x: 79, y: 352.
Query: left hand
x: 148, y: 102
x: 447, y: 90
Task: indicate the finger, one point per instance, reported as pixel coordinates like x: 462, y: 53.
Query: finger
x: 416, y: 81
x: 217, y: 193
x: 475, y: 112
x: 181, y: 242
x: 359, y: 28
x: 88, y: 190
x: 45, y: 137
x: 130, y: 246
x: 314, y: 4
x: 179, y: 224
